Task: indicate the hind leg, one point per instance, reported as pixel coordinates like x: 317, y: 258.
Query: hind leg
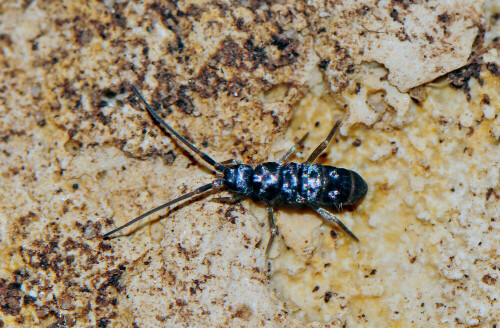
x: 332, y: 218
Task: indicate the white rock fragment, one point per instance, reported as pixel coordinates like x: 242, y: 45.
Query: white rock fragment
x: 452, y: 273
x: 488, y: 111
x: 466, y: 119
x: 424, y: 41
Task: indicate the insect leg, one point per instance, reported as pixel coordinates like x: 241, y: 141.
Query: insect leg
x: 200, y: 190
x: 230, y: 162
x: 228, y: 200
x: 273, y: 227
x: 219, y: 167
x: 322, y: 146
x: 292, y: 150
x: 332, y: 218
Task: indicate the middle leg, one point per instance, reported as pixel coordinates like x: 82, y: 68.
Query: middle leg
x: 273, y: 227
x: 322, y: 146
x: 292, y: 150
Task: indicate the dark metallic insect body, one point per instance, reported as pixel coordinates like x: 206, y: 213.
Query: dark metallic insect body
x: 276, y: 183
x: 296, y: 183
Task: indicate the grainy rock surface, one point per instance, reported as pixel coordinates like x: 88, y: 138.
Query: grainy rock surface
x: 245, y: 80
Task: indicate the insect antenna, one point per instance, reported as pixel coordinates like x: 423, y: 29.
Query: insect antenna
x: 219, y: 167
x: 215, y: 184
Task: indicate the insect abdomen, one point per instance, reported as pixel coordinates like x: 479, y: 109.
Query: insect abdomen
x: 322, y: 185
x: 299, y: 183
x: 296, y: 183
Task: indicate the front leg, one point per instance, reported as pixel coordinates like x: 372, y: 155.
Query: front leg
x: 230, y: 162
x: 228, y: 200
x: 273, y: 227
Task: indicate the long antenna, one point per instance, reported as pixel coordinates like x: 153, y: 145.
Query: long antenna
x: 200, y: 190
x: 219, y: 167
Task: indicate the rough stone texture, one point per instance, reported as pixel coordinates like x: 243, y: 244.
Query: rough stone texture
x: 408, y: 39
x: 246, y: 80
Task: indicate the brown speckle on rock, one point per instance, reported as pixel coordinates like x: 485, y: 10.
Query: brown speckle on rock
x: 161, y: 318
x: 244, y: 312
x: 180, y: 302
x: 42, y: 312
x: 333, y: 234
x: 486, y: 99
x: 66, y: 303
x: 489, y: 280
x: 444, y: 17
x: 103, y: 322
x: 113, y: 280
x: 493, y: 68
x: 10, y: 298
x: 394, y: 14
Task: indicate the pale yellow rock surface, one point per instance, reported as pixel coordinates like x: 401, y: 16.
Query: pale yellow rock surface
x: 246, y: 80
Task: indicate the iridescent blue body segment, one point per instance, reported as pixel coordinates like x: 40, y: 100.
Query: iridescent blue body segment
x: 266, y: 181
x: 296, y: 183
x: 311, y: 186
x: 289, y: 192
x: 239, y: 179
